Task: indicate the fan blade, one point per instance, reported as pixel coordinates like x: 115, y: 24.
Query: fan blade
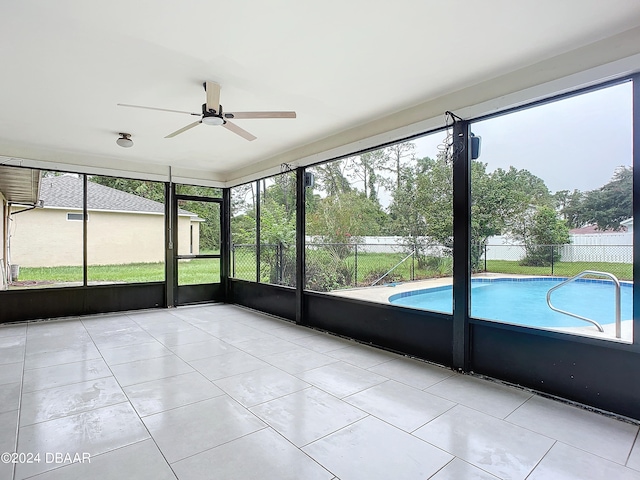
x: 237, y: 115
x: 213, y: 96
x: 159, y: 109
x: 184, y: 129
x: 239, y: 131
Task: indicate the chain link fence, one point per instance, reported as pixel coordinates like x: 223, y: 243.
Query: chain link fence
x: 554, y: 260
x: 243, y: 262
x: 277, y: 263
x: 332, y: 266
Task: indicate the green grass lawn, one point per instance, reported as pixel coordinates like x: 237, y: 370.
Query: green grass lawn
x: 370, y: 266
x: 200, y: 270
x: 130, y: 273
x: 624, y: 271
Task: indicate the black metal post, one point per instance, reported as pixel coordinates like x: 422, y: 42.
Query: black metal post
x: 413, y: 264
x: 233, y: 260
x: 280, y: 262
x: 258, y: 212
x: 461, y: 244
x: 636, y: 206
x: 225, y: 243
x: 300, y: 244
x: 355, y: 266
x: 552, y: 259
x: 85, y: 218
x: 485, y: 257
x: 169, y: 276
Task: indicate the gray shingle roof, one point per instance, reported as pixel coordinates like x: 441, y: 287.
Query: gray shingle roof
x: 65, y: 191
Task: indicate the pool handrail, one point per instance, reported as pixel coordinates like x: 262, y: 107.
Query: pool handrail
x: 580, y: 275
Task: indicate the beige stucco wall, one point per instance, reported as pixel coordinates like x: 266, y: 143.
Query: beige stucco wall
x: 117, y: 238
x: 183, y: 235
x: 44, y: 237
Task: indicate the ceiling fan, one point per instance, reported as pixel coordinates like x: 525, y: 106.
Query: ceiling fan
x: 212, y: 114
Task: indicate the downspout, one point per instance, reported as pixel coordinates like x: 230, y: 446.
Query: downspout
x: 7, y: 263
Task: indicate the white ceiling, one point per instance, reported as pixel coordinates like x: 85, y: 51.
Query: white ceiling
x: 351, y: 69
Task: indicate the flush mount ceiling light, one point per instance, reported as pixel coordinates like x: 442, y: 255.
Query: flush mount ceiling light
x: 125, y: 140
x: 212, y: 120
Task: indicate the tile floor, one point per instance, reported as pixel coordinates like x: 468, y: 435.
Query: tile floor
x: 221, y: 392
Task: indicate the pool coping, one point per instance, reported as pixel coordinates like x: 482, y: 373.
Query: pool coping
x: 382, y: 293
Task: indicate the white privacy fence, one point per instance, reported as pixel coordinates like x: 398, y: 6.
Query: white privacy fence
x: 390, y: 244
x: 602, y: 247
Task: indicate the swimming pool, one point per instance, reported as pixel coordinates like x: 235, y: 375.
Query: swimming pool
x: 524, y: 301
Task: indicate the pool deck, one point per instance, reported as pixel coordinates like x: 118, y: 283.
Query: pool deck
x: 381, y: 294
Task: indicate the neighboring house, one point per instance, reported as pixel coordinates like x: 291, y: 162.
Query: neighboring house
x: 628, y: 224
x: 121, y: 228
x: 588, y: 244
x: 593, y: 229
x: 590, y: 235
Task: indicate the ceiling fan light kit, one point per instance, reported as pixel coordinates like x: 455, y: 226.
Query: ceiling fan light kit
x: 212, y: 120
x: 125, y: 140
x: 212, y: 115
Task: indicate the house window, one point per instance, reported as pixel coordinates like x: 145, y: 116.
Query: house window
x: 76, y: 217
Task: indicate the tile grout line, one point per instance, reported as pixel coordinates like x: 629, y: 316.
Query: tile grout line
x: 633, y: 444
x: 17, y: 428
x: 443, y: 467
x: 266, y: 427
x: 135, y: 411
x: 555, y: 440
x: 434, y: 418
x: 542, y: 458
x: 305, y: 453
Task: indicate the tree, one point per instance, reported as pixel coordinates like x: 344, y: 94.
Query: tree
x: 332, y: 179
x: 607, y: 206
x: 498, y: 199
x: 243, y: 229
x: 363, y: 169
x: 242, y: 199
x: 422, y: 207
x: 283, y: 192
x: 340, y: 219
x: 143, y: 188
x: 397, y: 156
x: 277, y: 237
x: 541, y: 230
x: 571, y: 207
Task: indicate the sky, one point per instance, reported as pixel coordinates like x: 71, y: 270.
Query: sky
x: 575, y: 143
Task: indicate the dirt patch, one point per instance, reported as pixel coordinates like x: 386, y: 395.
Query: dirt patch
x: 30, y: 283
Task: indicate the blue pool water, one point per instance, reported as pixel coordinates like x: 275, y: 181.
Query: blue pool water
x: 524, y: 301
